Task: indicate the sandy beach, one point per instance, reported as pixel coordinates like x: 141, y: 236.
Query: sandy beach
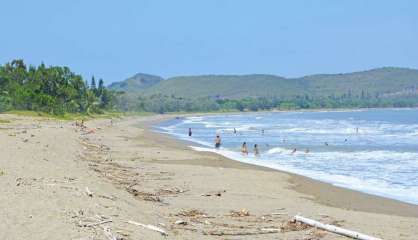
x: 62, y: 182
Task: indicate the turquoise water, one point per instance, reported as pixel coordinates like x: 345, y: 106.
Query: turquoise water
x: 373, y: 151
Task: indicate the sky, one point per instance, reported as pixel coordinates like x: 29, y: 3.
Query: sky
x: 114, y: 40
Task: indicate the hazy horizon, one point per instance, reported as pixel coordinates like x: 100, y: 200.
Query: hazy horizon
x: 114, y: 41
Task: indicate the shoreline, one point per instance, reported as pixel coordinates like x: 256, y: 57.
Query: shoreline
x: 322, y: 192
x: 62, y: 180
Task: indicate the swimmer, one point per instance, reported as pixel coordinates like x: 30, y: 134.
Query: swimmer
x: 190, y: 132
x: 256, y: 151
x: 294, y: 150
x: 307, y: 150
x: 326, y: 144
x: 244, y: 149
x: 217, y: 141
x: 235, y: 131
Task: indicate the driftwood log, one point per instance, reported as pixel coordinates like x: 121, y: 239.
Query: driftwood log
x: 334, y: 229
x: 150, y: 227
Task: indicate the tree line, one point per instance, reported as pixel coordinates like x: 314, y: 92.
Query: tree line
x: 160, y: 103
x: 58, y: 90
x: 53, y: 89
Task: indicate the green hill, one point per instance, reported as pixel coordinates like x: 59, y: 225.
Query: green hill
x: 136, y: 83
x: 373, y: 82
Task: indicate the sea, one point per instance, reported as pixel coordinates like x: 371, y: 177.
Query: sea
x: 373, y: 151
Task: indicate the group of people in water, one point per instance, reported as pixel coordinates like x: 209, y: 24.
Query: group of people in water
x: 256, y: 151
x: 244, y: 148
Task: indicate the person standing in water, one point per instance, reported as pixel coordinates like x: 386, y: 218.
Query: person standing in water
x: 244, y: 148
x: 190, y: 132
x: 235, y: 131
x: 294, y: 150
x: 217, y: 141
x: 256, y: 151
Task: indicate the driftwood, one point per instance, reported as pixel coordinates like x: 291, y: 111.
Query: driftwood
x: 95, y: 224
x: 150, y: 227
x: 108, y: 233
x: 88, y: 192
x: 334, y: 229
x: 243, y: 233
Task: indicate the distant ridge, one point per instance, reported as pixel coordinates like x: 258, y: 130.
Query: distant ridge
x: 386, y: 80
x: 137, y: 82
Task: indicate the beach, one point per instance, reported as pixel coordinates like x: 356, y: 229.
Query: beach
x: 62, y: 182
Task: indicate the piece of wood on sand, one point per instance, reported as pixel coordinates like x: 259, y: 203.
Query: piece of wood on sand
x: 334, y: 229
x: 242, y: 233
x: 150, y: 227
x: 88, y: 192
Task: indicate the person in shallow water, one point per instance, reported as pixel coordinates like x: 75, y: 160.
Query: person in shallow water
x: 307, y: 150
x: 190, y: 132
x: 217, y: 141
x: 256, y: 151
x: 244, y: 149
x: 235, y: 131
x: 294, y: 150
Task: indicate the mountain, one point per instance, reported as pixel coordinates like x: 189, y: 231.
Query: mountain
x: 381, y: 81
x: 136, y: 83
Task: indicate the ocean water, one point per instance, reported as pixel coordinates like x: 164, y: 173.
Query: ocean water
x: 373, y: 151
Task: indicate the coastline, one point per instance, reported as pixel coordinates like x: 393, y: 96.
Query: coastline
x: 61, y: 180
x: 322, y: 192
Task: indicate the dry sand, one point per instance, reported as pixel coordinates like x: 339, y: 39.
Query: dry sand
x: 135, y: 174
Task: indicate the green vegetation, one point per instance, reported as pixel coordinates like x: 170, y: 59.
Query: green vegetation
x: 384, y: 87
x: 136, y: 83
x: 53, y: 90
x: 3, y: 121
x: 57, y: 92
x: 372, y: 82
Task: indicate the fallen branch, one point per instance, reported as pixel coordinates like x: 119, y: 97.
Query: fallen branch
x: 95, y: 224
x: 334, y: 229
x: 150, y: 227
x: 88, y: 192
x: 229, y: 233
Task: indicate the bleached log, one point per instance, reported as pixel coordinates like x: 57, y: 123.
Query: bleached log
x: 242, y: 233
x: 150, y: 227
x: 334, y: 229
x: 97, y: 223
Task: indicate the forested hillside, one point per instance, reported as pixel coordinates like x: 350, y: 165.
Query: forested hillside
x: 372, y: 82
x: 383, y: 87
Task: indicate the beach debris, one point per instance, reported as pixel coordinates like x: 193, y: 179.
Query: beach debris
x: 293, y: 225
x: 94, y: 224
x: 111, y: 236
x: 150, y: 227
x: 214, y: 193
x: 333, y: 229
x: 144, y: 195
x: 180, y: 222
x: 191, y: 213
x: 279, y: 213
x: 88, y: 192
x: 241, y: 213
x: 241, y: 233
x: 2, y: 172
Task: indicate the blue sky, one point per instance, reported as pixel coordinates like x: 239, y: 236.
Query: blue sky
x: 116, y: 39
